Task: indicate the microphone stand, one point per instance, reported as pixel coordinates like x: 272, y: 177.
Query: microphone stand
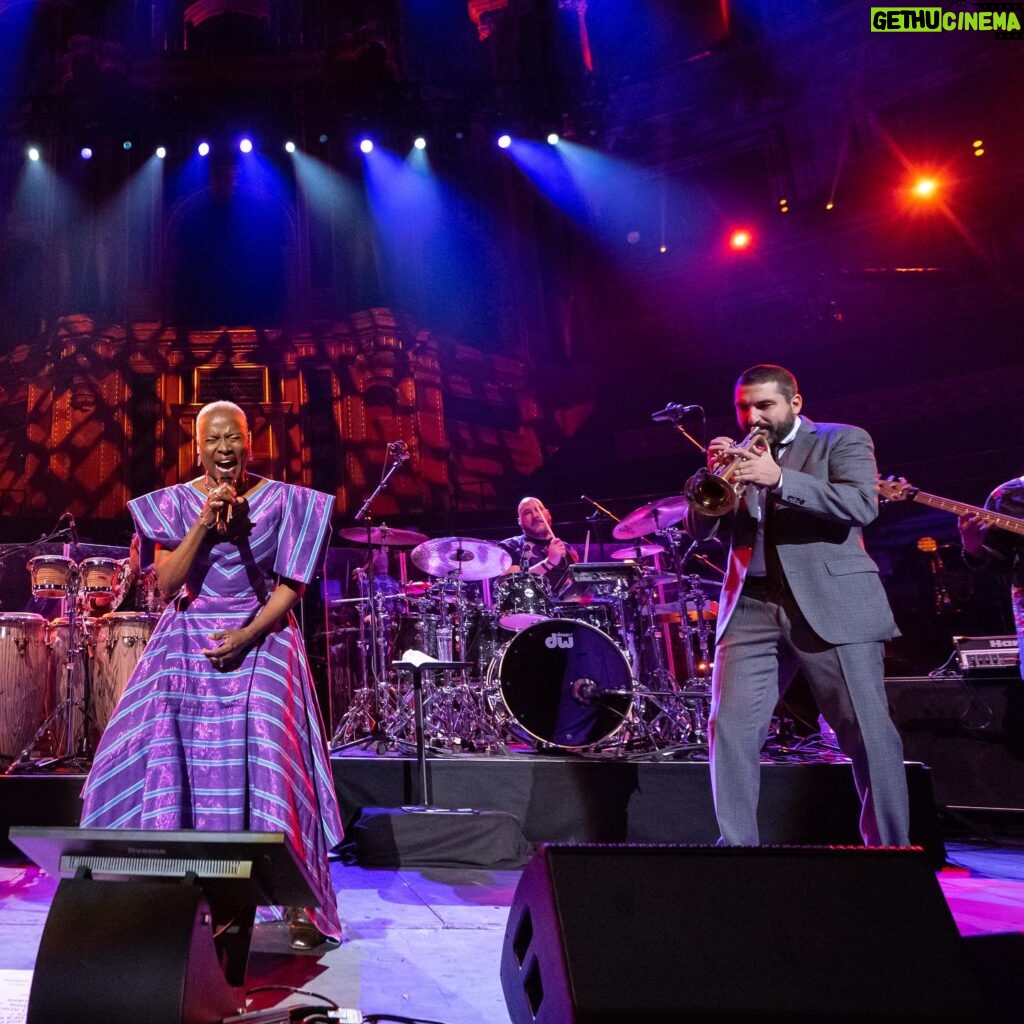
x: 378, y: 734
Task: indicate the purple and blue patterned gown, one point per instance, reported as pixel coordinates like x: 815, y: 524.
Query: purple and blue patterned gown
x: 191, y: 746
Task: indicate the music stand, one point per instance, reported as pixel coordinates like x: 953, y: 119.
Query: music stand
x: 153, y: 926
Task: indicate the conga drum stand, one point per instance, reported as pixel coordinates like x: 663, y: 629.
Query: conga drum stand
x: 70, y: 751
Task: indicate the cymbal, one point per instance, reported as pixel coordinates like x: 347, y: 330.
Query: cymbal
x: 637, y: 551
x: 477, y: 559
x: 655, y: 579
x: 650, y: 518
x: 382, y: 536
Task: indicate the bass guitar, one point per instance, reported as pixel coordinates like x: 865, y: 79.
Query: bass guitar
x: 899, y: 490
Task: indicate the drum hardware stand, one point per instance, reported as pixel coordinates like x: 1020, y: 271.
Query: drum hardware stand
x: 362, y: 704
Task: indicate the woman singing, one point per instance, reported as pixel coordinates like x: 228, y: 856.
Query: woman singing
x: 218, y: 728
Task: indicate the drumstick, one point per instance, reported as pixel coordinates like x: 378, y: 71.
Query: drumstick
x: 586, y: 548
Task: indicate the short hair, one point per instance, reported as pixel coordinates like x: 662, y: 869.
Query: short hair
x: 212, y: 407
x: 527, y: 500
x: 770, y: 373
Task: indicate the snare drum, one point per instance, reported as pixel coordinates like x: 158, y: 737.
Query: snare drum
x: 22, y: 679
x: 120, y: 641
x: 51, y: 575
x: 99, y: 575
x: 523, y: 599
x: 564, y: 682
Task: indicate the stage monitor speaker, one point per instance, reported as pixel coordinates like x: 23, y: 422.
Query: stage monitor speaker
x: 662, y: 934
x: 151, y: 926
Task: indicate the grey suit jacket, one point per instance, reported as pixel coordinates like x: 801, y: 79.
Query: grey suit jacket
x: 829, y: 492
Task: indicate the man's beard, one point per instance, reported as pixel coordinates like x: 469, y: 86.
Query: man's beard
x: 781, y: 431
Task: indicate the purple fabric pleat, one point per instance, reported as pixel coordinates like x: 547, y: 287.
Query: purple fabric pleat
x: 191, y: 746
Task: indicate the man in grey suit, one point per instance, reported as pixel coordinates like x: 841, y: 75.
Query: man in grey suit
x: 800, y: 593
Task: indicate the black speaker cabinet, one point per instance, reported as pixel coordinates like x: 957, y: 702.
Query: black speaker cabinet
x: 598, y: 934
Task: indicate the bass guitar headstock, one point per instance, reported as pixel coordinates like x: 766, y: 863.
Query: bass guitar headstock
x: 895, y: 488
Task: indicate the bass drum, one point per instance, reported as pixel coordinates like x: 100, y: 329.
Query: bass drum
x: 564, y: 683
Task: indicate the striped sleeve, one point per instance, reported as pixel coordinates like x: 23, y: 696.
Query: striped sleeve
x: 158, y: 520
x: 304, y: 533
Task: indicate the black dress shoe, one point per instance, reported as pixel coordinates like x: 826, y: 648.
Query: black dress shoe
x: 303, y: 934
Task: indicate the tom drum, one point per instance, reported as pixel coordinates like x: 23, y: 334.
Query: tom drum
x: 523, y: 599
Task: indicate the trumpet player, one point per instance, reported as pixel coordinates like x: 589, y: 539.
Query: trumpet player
x: 800, y: 593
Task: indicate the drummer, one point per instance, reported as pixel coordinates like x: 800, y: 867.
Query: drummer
x: 537, y: 550
x: 374, y: 578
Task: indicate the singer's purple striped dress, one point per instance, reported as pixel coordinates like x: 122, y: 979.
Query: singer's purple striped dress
x: 192, y: 746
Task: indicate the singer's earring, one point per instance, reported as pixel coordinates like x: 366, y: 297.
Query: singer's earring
x: 199, y: 461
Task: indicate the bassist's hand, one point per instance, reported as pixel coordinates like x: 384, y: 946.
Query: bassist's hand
x: 972, y: 534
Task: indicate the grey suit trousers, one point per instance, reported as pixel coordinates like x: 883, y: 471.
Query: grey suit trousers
x: 766, y: 642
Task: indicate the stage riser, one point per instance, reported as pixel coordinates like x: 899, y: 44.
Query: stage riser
x: 568, y: 800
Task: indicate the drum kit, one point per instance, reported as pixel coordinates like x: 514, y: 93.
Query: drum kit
x: 63, y: 677
x: 615, y: 661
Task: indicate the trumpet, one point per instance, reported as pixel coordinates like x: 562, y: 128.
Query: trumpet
x: 714, y: 492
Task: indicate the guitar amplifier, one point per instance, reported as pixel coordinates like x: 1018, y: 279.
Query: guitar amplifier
x: 986, y: 652
x: 597, y: 581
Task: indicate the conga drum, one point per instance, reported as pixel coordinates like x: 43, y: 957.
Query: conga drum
x: 22, y: 679
x: 121, y: 639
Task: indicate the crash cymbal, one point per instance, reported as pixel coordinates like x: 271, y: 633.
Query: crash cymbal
x: 649, y: 518
x: 382, y: 536
x: 637, y: 551
x: 473, y: 559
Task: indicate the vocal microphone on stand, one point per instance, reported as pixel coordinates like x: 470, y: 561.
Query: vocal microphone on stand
x: 399, y: 451
x: 71, y: 528
x: 674, y: 411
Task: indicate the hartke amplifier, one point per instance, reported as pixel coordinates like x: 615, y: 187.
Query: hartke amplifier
x: 986, y: 652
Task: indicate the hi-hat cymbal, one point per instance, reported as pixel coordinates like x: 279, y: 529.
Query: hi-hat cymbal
x: 637, y: 551
x: 651, y: 518
x: 382, y: 536
x: 471, y: 559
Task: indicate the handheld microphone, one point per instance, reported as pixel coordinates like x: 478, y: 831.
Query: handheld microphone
x: 226, y: 509
x: 674, y: 411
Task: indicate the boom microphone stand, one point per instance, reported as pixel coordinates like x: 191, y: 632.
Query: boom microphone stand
x: 398, y: 453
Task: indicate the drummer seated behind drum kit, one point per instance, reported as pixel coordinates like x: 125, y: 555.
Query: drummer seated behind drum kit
x: 68, y: 670
x: 558, y: 653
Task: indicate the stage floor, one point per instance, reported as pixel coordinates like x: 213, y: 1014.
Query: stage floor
x: 426, y: 944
